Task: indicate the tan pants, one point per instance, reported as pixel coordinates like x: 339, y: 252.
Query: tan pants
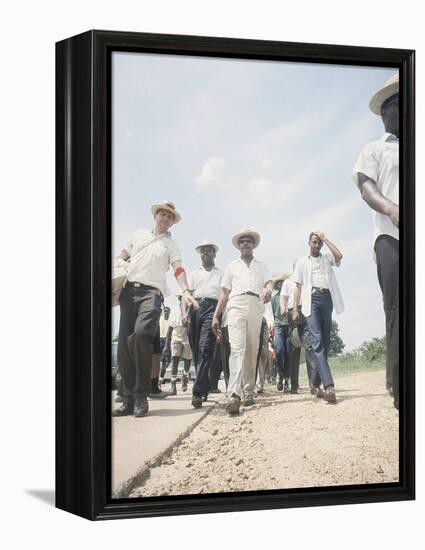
x: 180, y: 346
x: 244, y: 315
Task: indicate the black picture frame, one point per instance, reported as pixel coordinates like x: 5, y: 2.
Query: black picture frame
x: 83, y: 252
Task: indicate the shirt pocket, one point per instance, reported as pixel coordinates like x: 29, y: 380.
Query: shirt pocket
x: 257, y: 278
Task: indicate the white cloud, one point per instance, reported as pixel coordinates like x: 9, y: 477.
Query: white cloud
x: 212, y: 173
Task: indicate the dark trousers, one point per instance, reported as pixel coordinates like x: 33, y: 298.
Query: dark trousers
x: 282, y: 351
x: 202, y: 342
x: 216, y: 367
x: 319, y: 325
x: 295, y: 353
x: 225, y: 353
x: 387, y: 258
x: 140, y: 309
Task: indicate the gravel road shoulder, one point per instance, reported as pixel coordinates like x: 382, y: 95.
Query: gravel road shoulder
x: 287, y: 441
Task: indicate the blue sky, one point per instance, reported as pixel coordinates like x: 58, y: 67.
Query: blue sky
x: 240, y: 144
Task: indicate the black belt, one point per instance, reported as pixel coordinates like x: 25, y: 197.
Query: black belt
x: 249, y: 293
x: 321, y: 290
x: 205, y: 300
x: 134, y: 284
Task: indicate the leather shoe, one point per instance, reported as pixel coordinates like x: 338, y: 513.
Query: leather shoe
x: 141, y: 407
x: 215, y: 390
x: 197, y: 401
x: 232, y: 405
x: 125, y: 410
x: 279, y: 385
x: 330, y: 396
x: 159, y: 395
x: 317, y: 392
x: 248, y: 401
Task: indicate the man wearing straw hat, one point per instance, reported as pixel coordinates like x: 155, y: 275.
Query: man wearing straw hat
x: 376, y: 174
x: 205, y: 283
x: 245, y: 288
x: 149, y: 254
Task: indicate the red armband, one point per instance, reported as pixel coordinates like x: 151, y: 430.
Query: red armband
x: 179, y: 271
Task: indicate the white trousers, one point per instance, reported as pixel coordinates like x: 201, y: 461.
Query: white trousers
x: 244, y: 316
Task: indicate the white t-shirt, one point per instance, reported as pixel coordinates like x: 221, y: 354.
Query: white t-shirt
x: 239, y: 278
x: 288, y: 289
x: 303, y: 274
x: 379, y: 161
x: 206, y: 284
x: 157, y: 253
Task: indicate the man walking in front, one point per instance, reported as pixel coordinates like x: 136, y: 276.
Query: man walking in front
x: 149, y: 253
x: 245, y: 288
x: 319, y: 292
x: 376, y: 174
x: 205, y: 283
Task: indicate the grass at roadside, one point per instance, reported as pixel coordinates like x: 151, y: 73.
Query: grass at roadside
x: 354, y: 362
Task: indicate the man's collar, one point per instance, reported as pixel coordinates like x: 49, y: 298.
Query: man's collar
x: 389, y: 137
x: 166, y: 234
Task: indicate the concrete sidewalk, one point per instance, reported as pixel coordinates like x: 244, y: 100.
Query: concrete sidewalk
x: 137, y: 443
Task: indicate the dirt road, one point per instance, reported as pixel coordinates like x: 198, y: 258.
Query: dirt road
x: 287, y: 441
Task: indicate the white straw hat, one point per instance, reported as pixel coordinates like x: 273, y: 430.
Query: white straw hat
x: 206, y: 242
x: 166, y: 205
x: 247, y: 233
x: 390, y: 88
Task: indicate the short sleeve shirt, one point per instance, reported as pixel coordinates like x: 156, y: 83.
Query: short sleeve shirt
x: 379, y: 161
x: 206, y: 284
x: 150, y: 258
x: 239, y: 278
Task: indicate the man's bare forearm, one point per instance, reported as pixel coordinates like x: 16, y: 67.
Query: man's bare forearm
x: 297, y: 295
x: 222, y: 302
x: 334, y: 249
x: 373, y: 196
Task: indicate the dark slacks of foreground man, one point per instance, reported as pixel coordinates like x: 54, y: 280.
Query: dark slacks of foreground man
x: 140, y: 313
x: 319, y: 325
x: 202, y: 342
x: 387, y: 258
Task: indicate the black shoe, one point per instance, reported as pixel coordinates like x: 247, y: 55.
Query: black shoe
x: 126, y: 409
x: 232, y: 405
x: 159, y: 395
x: 317, y: 392
x: 279, y: 385
x: 197, y: 401
x: 184, y: 382
x: 286, y: 387
x: 294, y: 390
x: 249, y: 401
x: 205, y: 398
x: 215, y: 390
x: 330, y: 396
x: 141, y: 407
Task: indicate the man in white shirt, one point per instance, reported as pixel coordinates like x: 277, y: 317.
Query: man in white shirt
x: 319, y: 292
x: 205, y: 284
x: 149, y: 255
x: 245, y: 288
x: 376, y: 174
